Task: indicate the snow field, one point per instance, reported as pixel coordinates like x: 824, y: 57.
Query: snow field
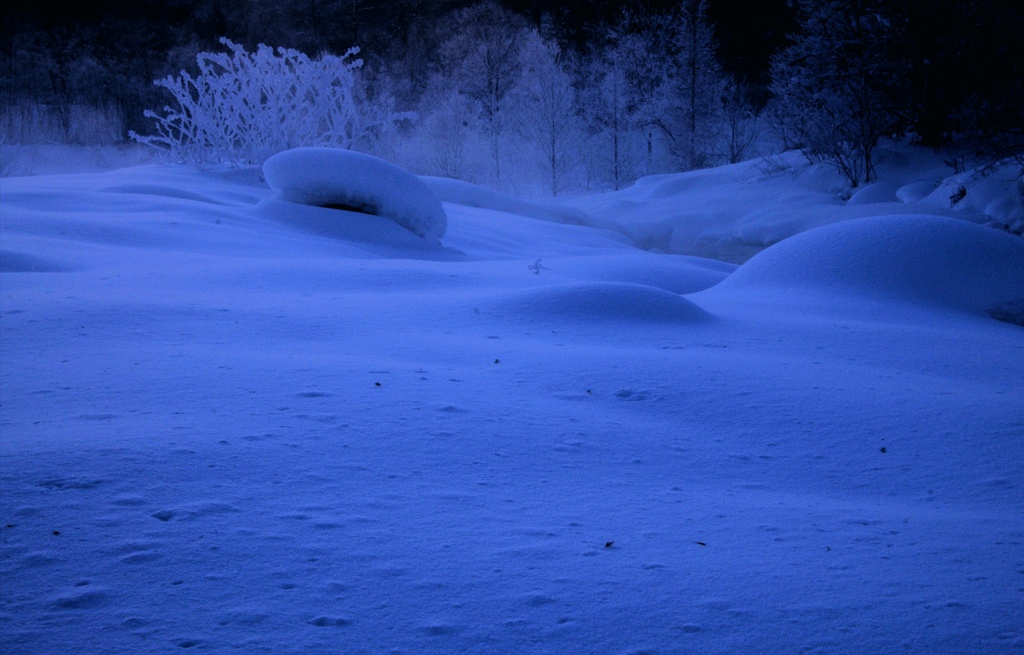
x: 225, y: 430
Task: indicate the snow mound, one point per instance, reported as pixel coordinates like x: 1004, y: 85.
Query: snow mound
x: 915, y: 191
x: 458, y: 192
x: 918, y: 259
x: 878, y: 192
x: 673, y: 273
x: 342, y: 179
x: 598, y: 301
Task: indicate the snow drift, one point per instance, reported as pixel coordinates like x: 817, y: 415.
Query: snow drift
x: 733, y: 212
x: 342, y: 179
x: 458, y: 192
x: 916, y: 259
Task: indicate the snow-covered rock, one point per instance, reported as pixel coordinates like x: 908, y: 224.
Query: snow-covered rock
x: 343, y: 179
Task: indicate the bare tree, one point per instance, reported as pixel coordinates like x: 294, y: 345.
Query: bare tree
x: 740, y: 124
x: 838, y: 85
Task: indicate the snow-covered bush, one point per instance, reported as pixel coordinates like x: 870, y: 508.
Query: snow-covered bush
x: 243, y: 107
x: 356, y: 182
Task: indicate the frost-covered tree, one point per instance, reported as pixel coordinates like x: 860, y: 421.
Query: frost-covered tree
x: 614, y: 152
x: 642, y: 48
x: 245, y: 106
x: 548, y: 115
x: 482, y: 58
x: 696, y: 89
x: 837, y: 86
x: 448, y: 129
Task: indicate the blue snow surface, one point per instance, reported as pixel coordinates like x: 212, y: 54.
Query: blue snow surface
x: 232, y: 423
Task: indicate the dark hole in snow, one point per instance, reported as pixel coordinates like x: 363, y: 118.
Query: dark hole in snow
x: 1009, y: 312
x: 958, y: 194
x: 359, y: 209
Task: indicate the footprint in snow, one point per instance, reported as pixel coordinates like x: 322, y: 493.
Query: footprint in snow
x: 64, y: 484
x: 195, y: 510
x: 83, y: 597
x: 629, y: 394
x: 134, y: 623
x: 97, y: 417
x: 140, y: 558
x: 329, y: 621
x: 129, y: 500
x: 38, y: 559
x: 440, y: 629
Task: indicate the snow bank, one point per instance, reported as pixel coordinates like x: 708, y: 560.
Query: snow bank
x: 458, y: 192
x: 997, y: 195
x: 733, y: 212
x: 917, y: 259
x: 726, y: 213
x: 335, y: 178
